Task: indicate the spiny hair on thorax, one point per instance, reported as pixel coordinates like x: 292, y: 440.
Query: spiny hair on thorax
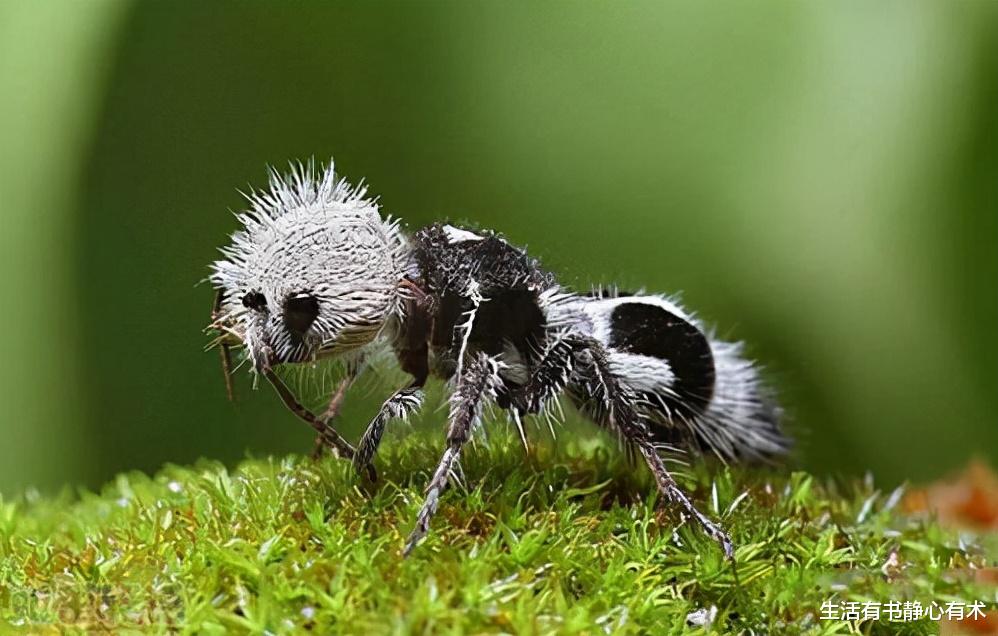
x: 315, y: 268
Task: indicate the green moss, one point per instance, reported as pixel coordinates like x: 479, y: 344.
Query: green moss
x: 565, y: 542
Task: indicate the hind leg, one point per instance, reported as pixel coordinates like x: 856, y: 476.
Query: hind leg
x: 614, y: 406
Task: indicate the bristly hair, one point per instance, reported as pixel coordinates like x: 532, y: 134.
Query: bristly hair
x: 311, y: 234
x: 302, y: 187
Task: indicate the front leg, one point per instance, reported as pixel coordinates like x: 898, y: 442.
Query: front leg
x: 332, y: 411
x: 329, y: 436
x: 401, y: 404
x: 353, y: 369
x: 477, y: 382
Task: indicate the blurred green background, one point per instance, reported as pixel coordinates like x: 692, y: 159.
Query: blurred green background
x: 820, y: 180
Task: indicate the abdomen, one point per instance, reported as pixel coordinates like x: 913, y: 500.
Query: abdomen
x: 690, y: 386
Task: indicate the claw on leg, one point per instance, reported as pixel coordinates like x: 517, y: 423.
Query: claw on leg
x: 437, y: 485
x: 673, y: 494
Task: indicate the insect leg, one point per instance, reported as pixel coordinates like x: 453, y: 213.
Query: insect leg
x: 329, y: 436
x: 674, y: 494
x: 549, y: 376
x: 335, y: 403
x: 400, y: 405
x: 620, y: 414
x: 547, y: 379
x: 477, y: 382
x: 225, y: 354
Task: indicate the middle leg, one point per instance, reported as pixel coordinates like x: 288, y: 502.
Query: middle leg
x: 477, y: 382
x: 548, y: 378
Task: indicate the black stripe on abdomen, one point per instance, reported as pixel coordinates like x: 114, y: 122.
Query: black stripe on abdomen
x: 651, y: 330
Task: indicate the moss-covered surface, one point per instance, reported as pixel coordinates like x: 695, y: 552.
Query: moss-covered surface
x: 565, y: 542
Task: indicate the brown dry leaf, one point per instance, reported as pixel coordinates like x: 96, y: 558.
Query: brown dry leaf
x: 971, y: 627
x: 969, y: 499
x: 976, y: 626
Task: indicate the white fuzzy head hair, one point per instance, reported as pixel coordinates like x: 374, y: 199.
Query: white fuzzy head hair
x: 314, y: 272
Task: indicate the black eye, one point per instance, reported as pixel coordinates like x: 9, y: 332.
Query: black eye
x: 300, y: 312
x: 255, y: 300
